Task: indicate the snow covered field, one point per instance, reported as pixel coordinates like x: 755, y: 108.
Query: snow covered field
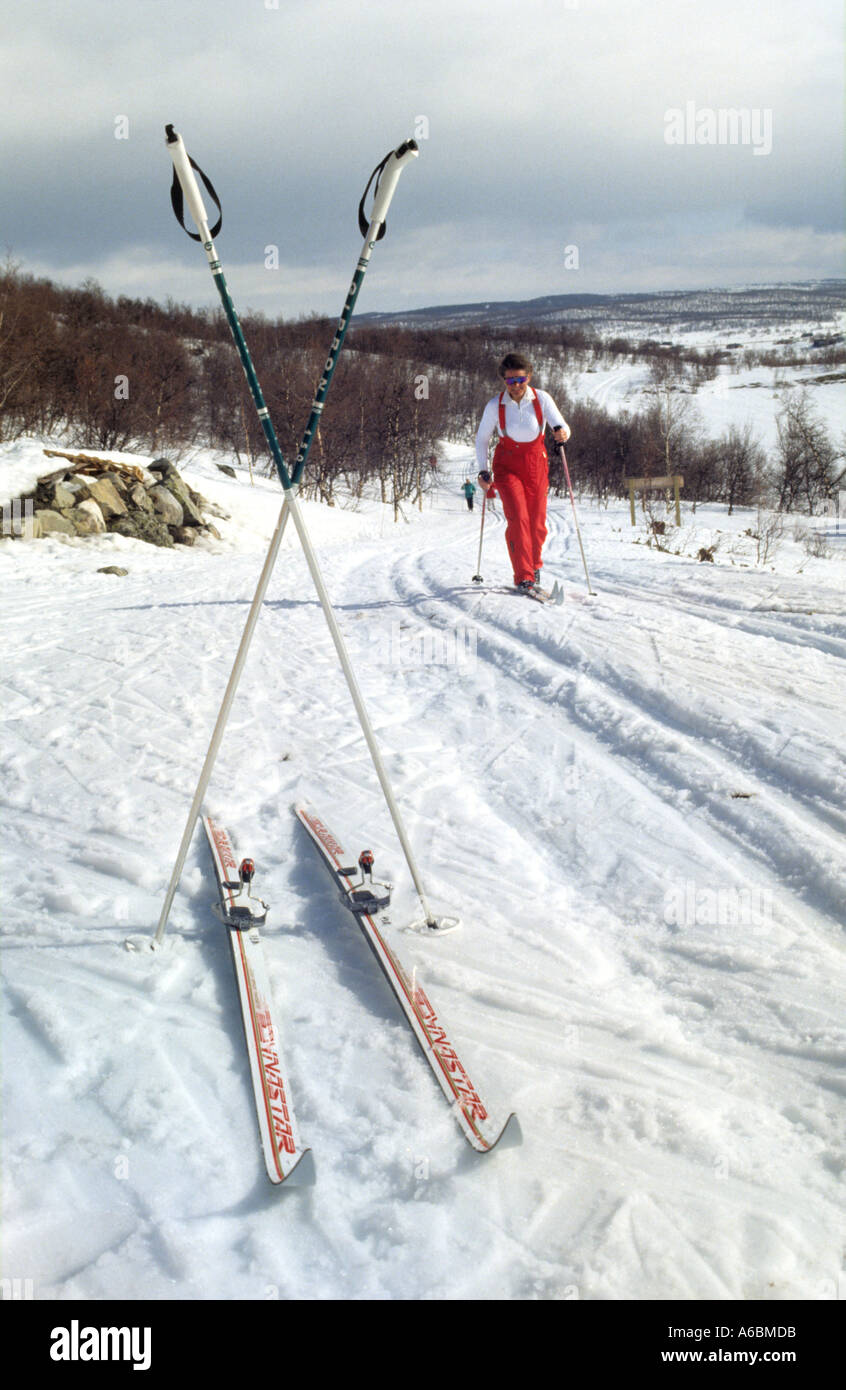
x: 751, y: 395
x: 636, y: 804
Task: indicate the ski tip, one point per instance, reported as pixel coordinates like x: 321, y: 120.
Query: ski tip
x: 302, y: 1174
x: 304, y: 811
x: 511, y: 1135
x: 485, y: 1138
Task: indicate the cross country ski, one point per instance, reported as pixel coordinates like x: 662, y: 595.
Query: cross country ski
x: 555, y: 595
x: 477, y: 1125
x: 242, y: 914
x: 540, y: 595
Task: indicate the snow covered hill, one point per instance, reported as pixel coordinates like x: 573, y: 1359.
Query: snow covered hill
x: 753, y: 396
x: 635, y: 803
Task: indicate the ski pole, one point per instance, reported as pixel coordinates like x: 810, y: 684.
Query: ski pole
x: 185, y: 187
x: 575, y: 516
x: 477, y: 577
x: 386, y: 175
x: 185, y: 184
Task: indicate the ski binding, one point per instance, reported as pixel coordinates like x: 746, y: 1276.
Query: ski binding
x: 364, y: 894
x: 238, y: 907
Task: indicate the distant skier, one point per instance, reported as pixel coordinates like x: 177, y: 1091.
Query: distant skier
x: 469, y: 493
x: 520, y: 413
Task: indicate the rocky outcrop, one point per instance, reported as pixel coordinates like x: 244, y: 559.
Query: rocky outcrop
x: 91, y: 495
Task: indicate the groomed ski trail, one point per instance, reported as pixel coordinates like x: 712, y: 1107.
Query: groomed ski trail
x: 679, y: 1083
x: 645, y: 723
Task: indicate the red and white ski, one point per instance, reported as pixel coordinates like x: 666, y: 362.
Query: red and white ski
x: 242, y: 914
x: 365, y: 898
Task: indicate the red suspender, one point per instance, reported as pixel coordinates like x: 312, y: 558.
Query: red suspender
x: 538, y: 412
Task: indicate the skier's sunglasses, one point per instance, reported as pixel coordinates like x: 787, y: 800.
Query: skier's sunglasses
x: 515, y: 380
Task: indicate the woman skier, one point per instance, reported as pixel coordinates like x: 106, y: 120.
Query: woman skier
x: 520, y: 413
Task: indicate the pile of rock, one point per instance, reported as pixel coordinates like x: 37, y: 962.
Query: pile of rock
x: 92, y: 494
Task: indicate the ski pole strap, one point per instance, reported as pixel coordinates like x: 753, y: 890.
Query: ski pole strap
x: 363, y: 222
x: 177, y: 199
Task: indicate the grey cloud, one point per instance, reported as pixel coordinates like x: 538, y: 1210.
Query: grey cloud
x: 544, y: 123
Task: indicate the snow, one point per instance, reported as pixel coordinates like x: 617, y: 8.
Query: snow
x: 635, y: 803
x: 735, y: 396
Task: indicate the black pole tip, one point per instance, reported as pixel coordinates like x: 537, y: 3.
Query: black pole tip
x: 171, y: 136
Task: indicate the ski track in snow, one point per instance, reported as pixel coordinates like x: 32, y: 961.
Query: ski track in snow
x: 573, y: 780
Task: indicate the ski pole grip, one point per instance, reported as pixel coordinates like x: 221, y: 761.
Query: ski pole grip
x: 187, y: 180
x: 390, y: 177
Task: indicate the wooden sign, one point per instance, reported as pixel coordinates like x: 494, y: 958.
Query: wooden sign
x: 672, y: 480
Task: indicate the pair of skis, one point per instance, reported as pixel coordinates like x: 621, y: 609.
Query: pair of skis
x: 555, y: 595
x: 285, y: 1157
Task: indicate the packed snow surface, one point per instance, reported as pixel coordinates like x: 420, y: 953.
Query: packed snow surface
x: 635, y: 802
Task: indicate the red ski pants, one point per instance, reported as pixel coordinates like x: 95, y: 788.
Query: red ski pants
x: 521, y: 477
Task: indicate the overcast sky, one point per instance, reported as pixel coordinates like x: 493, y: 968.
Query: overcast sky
x: 550, y: 159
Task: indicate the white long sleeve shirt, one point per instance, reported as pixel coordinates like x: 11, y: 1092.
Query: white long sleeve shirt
x: 521, y: 422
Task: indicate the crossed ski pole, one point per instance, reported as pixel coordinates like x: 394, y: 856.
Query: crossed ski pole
x: 185, y: 188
